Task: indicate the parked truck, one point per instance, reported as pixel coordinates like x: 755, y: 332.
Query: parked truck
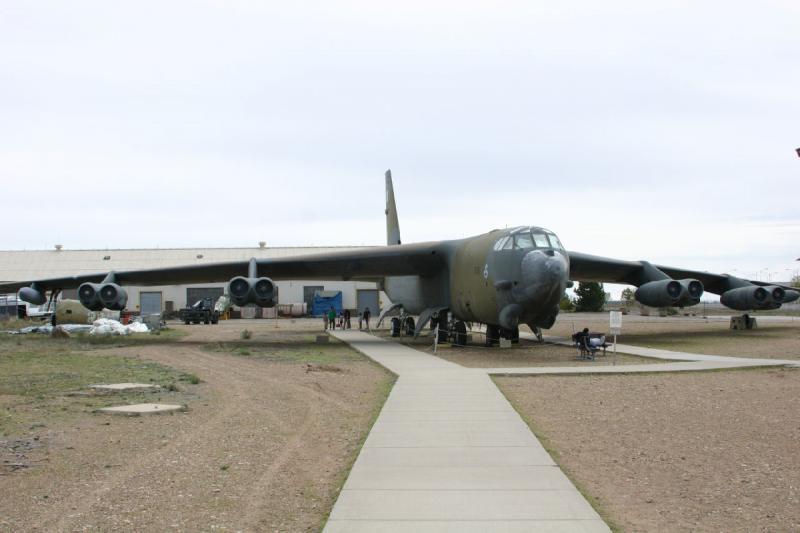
x: 202, y: 311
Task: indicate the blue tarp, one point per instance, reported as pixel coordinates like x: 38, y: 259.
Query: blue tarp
x: 324, y: 300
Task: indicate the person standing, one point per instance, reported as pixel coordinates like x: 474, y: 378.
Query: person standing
x: 332, y: 317
x: 366, y: 316
x: 325, y: 321
x: 347, y: 319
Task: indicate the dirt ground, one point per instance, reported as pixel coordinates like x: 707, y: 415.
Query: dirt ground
x: 774, y: 338
x: 712, y: 451
x: 525, y: 354
x: 265, y: 445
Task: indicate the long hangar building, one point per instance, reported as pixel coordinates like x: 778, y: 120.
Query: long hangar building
x: 61, y: 262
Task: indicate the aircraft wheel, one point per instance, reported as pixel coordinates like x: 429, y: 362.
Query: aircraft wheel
x: 511, y: 334
x: 409, y: 326
x: 492, y: 335
x: 395, y: 327
x: 443, y: 333
x: 459, y: 333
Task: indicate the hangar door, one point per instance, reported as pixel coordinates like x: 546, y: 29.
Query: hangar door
x: 308, y: 295
x: 150, y: 303
x: 198, y: 293
x: 368, y: 298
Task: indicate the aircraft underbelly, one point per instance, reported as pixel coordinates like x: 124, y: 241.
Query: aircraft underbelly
x: 414, y: 292
x: 405, y: 290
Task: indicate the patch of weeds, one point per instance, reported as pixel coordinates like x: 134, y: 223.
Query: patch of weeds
x: 43, y: 385
x: 190, y: 378
x: 224, y: 467
x: 290, y: 347
x: 246, y: 334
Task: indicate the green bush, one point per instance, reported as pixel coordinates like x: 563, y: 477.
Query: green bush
x: 590, y: 297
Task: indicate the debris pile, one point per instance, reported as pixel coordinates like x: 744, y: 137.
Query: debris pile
x: 107, y: 326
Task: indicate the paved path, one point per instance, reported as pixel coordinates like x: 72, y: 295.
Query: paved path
x: 680, y: 362
x: 448, y: 453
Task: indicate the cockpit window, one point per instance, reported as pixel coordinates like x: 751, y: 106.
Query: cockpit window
x: 523, y: 238
x: 541, y: 240
x: 499, y: 244
x: 523, y: 241
x: 555, y: 242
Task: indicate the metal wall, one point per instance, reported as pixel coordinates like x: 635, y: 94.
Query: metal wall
x: 150, y: 303
x: 193, y: 294
x: 368, y: 298
x: 308, y: 295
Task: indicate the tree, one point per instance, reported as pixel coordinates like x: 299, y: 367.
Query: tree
x: 590, y: 297
x: 796, y: 281
x: 566, y: 304
x: 628, y: 296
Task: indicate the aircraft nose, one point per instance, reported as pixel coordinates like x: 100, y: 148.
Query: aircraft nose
x: 544, y: 275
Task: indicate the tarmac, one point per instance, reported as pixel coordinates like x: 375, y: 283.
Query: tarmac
x: 448, y: 453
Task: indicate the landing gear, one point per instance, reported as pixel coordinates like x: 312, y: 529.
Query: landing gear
x: 395, y: 327
x: 538, y: 333
x: 510, y: 334
x: 443, y: 332
x: 408, y: 324
x: 492, y: 335
x: 459, y: 333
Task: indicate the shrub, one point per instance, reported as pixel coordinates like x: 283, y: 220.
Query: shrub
x: 590, y: 297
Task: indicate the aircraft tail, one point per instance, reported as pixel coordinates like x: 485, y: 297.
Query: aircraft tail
x: 392, y: 225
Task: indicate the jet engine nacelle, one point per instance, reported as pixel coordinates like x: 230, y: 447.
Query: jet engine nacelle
x: 259, y: 291
x: 791, y: 296
x: 99, y: 296
x: 32, y: 296
x: 753, y: 297
x: 669, y: 292
x: 692, y: 291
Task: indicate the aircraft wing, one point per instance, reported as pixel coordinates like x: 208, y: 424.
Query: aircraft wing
x: 585, y: 267
x: 355, y: 264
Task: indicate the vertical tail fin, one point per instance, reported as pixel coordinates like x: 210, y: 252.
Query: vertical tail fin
x: 392, y: 225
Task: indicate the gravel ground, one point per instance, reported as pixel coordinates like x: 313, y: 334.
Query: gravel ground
x: 713, y: 451
x: 525, y: 354
x: 265, y: 447
x: 775, y: 338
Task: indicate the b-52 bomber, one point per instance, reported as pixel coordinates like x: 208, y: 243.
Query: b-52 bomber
x: 502, y: 278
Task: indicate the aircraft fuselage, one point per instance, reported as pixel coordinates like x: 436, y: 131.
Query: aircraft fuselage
x: 503, y: 278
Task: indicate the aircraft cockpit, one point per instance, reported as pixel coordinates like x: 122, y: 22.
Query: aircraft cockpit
x: 528, y: 238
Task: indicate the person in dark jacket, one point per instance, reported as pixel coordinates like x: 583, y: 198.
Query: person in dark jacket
x: 346, y: 319
x: 367, y: 314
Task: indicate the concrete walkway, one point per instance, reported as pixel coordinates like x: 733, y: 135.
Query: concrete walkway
x: 680, y: 362
x: 448, y: 453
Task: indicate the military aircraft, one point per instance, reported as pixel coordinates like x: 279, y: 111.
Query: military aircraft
x: 502, y: 278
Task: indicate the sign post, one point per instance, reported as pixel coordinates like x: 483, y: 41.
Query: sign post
x: 615, y: 322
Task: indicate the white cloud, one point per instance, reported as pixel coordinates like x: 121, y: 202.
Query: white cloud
x: 638, y: 130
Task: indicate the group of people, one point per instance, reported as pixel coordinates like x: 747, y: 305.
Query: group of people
x: 342, y: 319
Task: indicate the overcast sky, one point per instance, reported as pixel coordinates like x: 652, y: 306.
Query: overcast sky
x: 632, y: 129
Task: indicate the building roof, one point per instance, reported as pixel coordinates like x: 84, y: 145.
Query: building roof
x: 16, y: 265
